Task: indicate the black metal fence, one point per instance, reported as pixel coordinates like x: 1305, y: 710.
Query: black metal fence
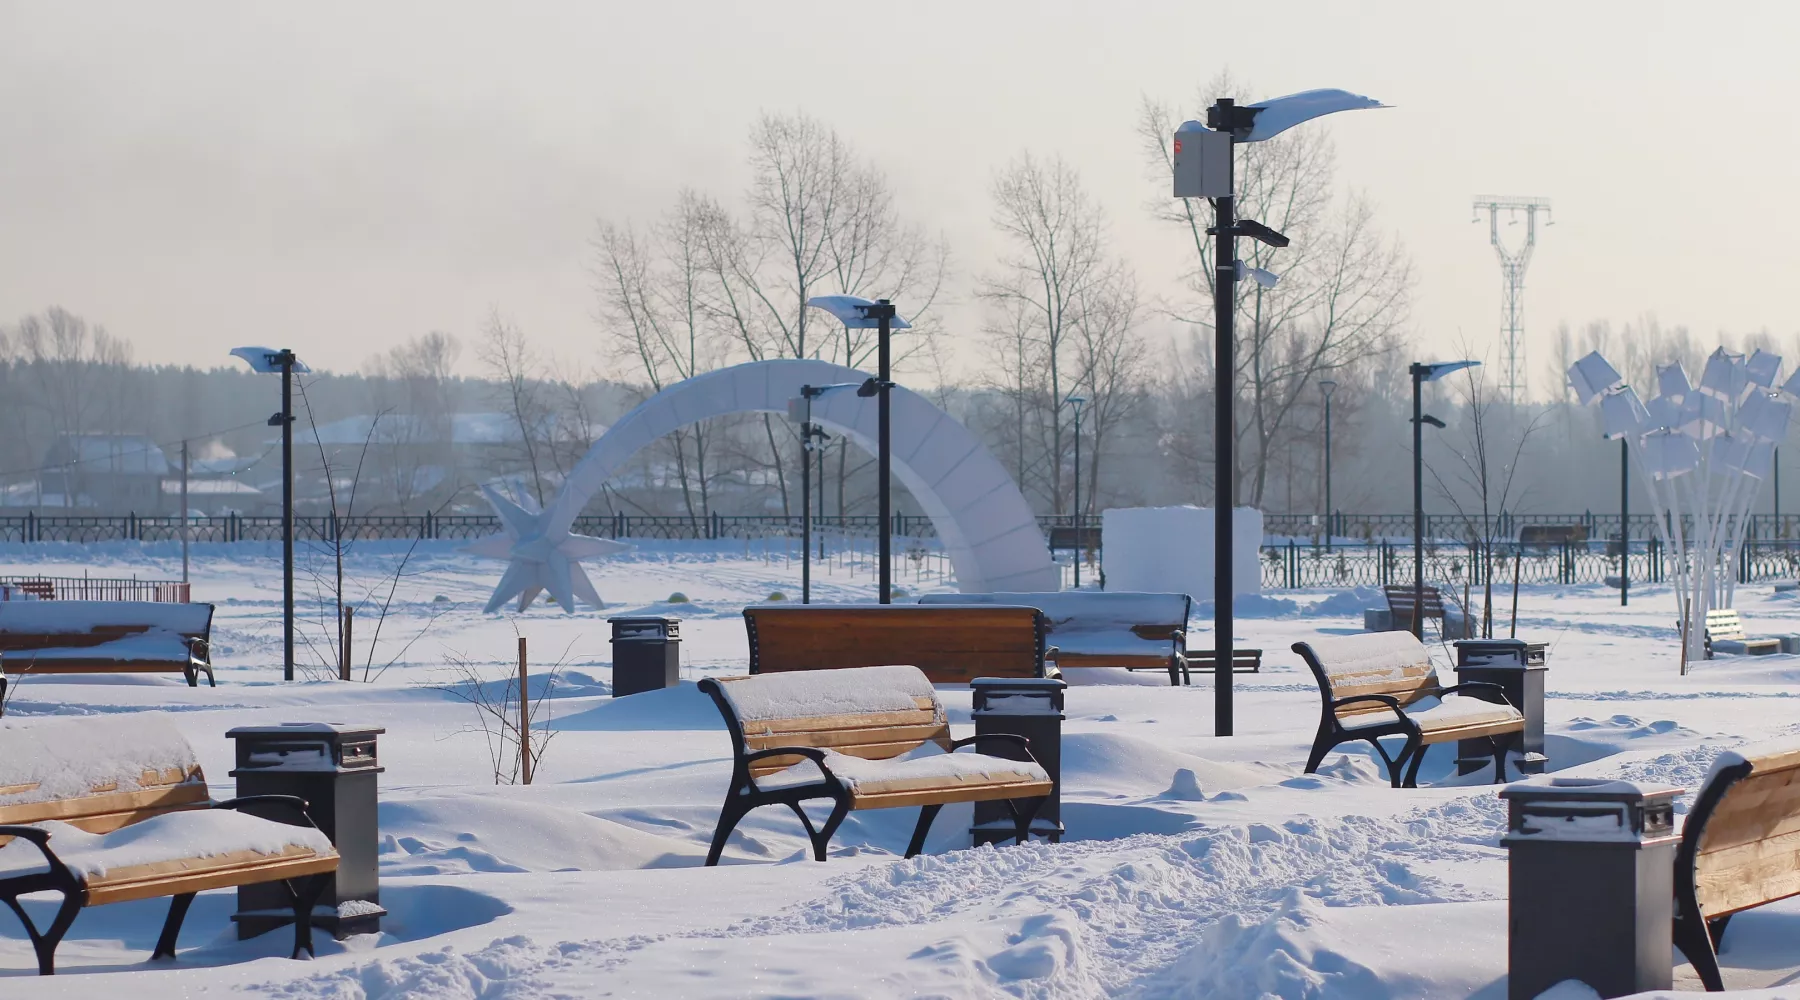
x: 1295, y: 565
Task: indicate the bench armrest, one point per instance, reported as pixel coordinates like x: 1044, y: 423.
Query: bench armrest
x: 1023, y: 743
x: 814, y: 754
x: 1385, y: 699
x: 1465, y: 685
x: 293, y: 802
x: 40, y: 839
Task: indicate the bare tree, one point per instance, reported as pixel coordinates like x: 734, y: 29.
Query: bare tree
x: 1039, y: 302
x: 1341, y: 302
x: 414, y: 383
x: 512, y: 364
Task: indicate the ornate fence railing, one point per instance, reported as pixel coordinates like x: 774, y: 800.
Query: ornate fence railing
x: 84, y: 588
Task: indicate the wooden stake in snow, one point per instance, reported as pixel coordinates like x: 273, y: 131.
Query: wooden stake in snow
x: 1687, y: 609
x: 1512, y: 632
x: 344, y: 651
x: 524, y: 718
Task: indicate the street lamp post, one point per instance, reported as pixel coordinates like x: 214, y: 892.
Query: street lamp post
x: 269, y: 361
x: 809, y: 433
x: 1077, y: 402
x: 1327, y: 386
x: 1422, y: 373
x: 856, y: 312
x: 1201, y: 164
x: 1624, y: 523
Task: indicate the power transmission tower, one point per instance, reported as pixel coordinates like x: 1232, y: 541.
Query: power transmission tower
x: 1512, y: 272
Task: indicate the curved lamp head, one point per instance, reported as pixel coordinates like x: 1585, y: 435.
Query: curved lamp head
x: 1278, y: 114
x: 1327, y: 386
x: 262, y: 359
x: 856, y: 312
x: 1437, y: 370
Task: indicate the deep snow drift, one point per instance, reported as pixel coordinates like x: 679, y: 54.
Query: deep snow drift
x: 1195, y: 866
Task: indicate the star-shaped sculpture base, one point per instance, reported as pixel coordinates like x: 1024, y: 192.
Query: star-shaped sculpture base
x: 540, y: 560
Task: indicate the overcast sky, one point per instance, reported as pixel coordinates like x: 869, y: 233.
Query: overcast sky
x: 339, y: 177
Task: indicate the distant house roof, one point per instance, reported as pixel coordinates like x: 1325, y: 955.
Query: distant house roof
x: 119, y: 454
x: 210, y: 487
x: 461, y: 428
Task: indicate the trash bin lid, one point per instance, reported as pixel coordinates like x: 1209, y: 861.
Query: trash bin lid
x: 305, y: 729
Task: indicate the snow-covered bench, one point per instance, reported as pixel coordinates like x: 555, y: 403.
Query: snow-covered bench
x: 1737, y: 848
x: 858, y: 736
x: 1378, y: 684
x: 953, y: 645
x: 1725, y: 634
x: 1111, y: 629
x: 104, y: 637
x: 111, y: 809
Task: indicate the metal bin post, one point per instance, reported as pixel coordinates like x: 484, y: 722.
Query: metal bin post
x: 1031, y: 707
x: 646, y: 654
x: 1519, y: 668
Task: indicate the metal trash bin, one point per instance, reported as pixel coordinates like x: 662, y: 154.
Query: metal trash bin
x: 1590, y: 885
x: 646, y: 654
x: 1031, y: 707
x: 1518, y: 667
x: 333, y: 767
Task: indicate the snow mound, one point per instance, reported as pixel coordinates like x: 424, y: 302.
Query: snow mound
x: 460, y: 834
x: 1347, y: 602
x: 1117, y: 763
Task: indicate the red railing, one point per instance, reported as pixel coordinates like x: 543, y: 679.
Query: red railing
x: 83, y: 588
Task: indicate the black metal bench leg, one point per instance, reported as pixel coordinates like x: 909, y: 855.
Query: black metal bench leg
x: 1022, y: 816
x: 305, y: 897
x: 926, y: 815
x: 728, y: 821
x: 1695, y: 942
x: 178, y: 908
x: 44, y: 944
x: 1417, y: 753
x: 211, y: 681
x: 1322, y: 745
x: 822, y: 839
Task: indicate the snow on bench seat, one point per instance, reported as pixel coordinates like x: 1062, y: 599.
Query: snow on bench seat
x: 74, y: 617
x: 71, y: 637
x: 1101, y: 628
x: 917, y: 771
x: 1449, y: 712
x: 187, y: 841
x: 94, y: 765
x: 825, y: 693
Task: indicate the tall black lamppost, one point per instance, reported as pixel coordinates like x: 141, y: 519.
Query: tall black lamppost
x: 1201, y: 162
x: 1327, y: 386
x: 1422, y: 373
x: 810, y: 434
x: 1077, y: 402
x: 269, y: 361
x: 1625, y: 522
x: 856, y: 312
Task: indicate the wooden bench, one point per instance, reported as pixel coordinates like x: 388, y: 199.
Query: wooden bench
x: 836, y: 734
x: 1725, y: 634
x: 106, y: 637
x: 1400, y: 601
x: 1370, y: 684
x: 1200, y: 661
x: 67, y: 787
x: 1546, y: 536
x: 1740, y: 848
x: 1109, y: 628
x: 952, y: 644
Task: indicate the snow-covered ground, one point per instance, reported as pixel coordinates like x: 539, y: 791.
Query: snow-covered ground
x: 1195, y: 866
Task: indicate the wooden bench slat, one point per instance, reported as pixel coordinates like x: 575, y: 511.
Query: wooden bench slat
x: 966, y: 793
x: 952, y: 644
x: 261, y: 868
x: 1748, y: 875
x: 823, y: 723
x: 867, y: 751
x: 846, y: 740
x: 91, y: 807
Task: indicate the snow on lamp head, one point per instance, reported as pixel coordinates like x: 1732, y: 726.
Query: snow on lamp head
x: 1592, y: 376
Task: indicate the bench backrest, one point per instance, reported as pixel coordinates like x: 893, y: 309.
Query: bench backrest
x: 1739, y: 836
x: 1109, y: 615
x: 1552, y: 534
x: 952, y: 644
x: 1400, y: 600
x: 98, y: 774
x: 59, y: 624
x: 871, y: 712
x: 1724, y: 623
x: 1396, y: 664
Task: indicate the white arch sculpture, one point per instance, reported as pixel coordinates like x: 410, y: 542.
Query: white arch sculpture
x: 988, y: 531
